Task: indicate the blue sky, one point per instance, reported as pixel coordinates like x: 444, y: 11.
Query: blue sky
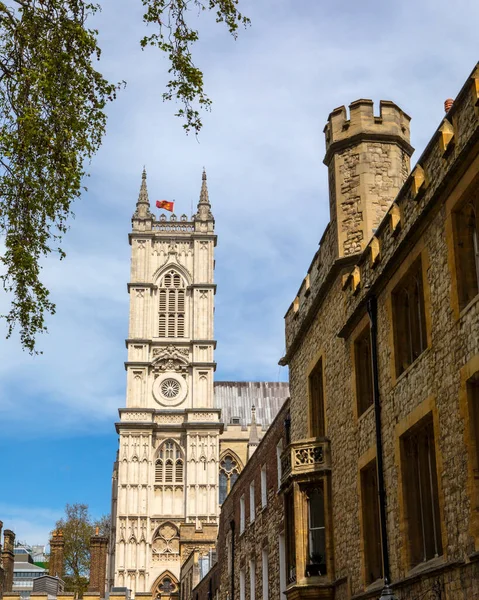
x: 262, y: 147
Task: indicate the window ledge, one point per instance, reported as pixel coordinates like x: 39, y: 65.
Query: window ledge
x: 415, y: 362
x: 468, y: 307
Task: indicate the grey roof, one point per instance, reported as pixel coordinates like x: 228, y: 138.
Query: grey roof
x: 29, y: 567
x: 235, y: 398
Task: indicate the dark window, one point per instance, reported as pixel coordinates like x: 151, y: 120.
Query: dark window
x: 466, y: 234
x: 316, y: 559
x: 410, y: 337
x: 371, y: 532
x: 316, y: 393
x: 473, y: 400
x: 290, y: 537
x: 363, y: 370
x: 421, y: 492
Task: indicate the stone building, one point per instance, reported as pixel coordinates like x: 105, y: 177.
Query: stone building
x: 382, y: 343
x: 183, y: 438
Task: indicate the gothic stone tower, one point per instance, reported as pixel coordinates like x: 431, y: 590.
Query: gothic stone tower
x: 166, y: 475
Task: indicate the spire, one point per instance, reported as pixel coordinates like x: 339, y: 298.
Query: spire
x: 204, y: 198
x: 253, y: 433
x: 204, y: 206
x: 143, y: 205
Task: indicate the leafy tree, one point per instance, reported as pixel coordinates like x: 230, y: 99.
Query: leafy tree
x: 52, y: 120
x: 78, y: 527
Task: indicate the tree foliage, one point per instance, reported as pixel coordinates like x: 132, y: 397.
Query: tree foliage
x: 78, y: 527
x: 52, y: 120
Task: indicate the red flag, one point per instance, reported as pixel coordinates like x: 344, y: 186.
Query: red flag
x: 165, y: 204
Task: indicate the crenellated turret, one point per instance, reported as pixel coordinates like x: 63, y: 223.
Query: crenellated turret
x: 368, y: 161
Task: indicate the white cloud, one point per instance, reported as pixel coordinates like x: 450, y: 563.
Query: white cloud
x: 30, y: 524
x: 262, y: 146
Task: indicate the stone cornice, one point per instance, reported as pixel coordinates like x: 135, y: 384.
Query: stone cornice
x: 167, y: 235
x: 142, y: 363
x: 366, y: 136
x: 141, y: 285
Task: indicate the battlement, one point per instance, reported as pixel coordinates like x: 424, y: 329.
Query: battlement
x: 391, y: 124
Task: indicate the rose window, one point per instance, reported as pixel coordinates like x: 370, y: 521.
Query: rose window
x: 170, y: 388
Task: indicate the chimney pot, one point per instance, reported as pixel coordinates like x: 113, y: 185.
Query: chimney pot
x: 448, y: 104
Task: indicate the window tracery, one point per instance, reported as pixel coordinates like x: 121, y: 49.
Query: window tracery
x: 169, y: 464
x: 167, y: 586
x: 166, y: 540
x: 229, y: 473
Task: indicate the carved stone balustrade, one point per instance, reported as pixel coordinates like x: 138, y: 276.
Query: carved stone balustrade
x: 305, y: 457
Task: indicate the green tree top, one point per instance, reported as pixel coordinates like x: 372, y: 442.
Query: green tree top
x: 52, y: 120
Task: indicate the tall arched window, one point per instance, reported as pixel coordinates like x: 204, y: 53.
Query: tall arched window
x: 171, y: 305
x: 169, y: 464
x: 229, y: 472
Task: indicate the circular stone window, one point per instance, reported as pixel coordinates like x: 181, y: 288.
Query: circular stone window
x: 169, y: 389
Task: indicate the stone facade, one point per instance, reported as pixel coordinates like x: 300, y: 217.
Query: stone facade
x: 183, y: 438
x: 401, y: 261
x: 166, y: 475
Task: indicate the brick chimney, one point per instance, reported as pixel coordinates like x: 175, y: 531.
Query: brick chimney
x: 368, y: 161
x: 98, y: 552
x: 57, y: 548
x: 8, y: 559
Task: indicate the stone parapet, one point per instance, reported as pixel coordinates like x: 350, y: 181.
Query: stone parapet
x: 392, y: 124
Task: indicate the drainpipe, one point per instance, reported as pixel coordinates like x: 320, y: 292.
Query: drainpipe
x: 372, y: 307
x: 232, y: 525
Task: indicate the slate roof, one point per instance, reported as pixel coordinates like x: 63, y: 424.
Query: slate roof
x: 235, y: 398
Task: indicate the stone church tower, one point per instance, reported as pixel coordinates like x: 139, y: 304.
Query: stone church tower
x: 165, y: 486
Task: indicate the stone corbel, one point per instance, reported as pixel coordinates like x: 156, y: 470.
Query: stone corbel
x: 475, y: 91
x: 395, y: 218
x: 419, y: 182
x: 375, y: 251
x: 446, y: 137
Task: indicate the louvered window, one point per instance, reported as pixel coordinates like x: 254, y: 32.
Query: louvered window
x: 169, y: 465
x: 159, y: 471
x: 169, y: 471
x: 179, y: 471
x: 171, y: 306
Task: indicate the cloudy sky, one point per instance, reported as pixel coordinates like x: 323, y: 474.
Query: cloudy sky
x: 262, y: 147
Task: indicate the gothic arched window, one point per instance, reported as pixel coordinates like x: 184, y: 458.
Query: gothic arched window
x: 167, y: 587
x: 229, y: 472
x: 169, y: 464
x: 171, y: 305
